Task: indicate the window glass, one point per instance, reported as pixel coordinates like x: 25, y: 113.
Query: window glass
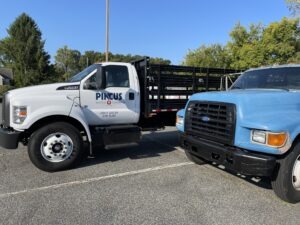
x: 90, y: 84
x: 84, y: 73
x: 271, y: 78
x: 116, y: 76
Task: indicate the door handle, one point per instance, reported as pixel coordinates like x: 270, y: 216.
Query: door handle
x: 131, y: 96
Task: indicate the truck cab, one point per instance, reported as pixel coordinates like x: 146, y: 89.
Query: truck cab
x: 54, y: 119
x: 253, y: 128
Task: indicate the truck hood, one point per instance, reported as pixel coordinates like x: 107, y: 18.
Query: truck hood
x: 45, y: 89
x: 259, y: 108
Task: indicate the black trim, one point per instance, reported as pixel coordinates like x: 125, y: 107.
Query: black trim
x: 239, y: 160
x: 68, y: 88
x: 131, y: 96
x: 221, y: 124
x: 117, y: 134
x: 167, y: 80
x: 9, y: 139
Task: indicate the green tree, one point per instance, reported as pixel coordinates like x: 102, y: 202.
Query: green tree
x: 158, y: 60
x: 294, y: 6
x: 67, y: 62
x: 277, y: 43
x: 280, y: 41
x: 208, y: 56
x: 244, y: 48
x: 89, y: 58
x: 23, y: 51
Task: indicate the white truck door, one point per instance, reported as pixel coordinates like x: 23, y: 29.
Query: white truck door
x: 116, y: 103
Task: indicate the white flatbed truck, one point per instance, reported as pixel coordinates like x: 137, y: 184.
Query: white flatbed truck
x: 105, y: 104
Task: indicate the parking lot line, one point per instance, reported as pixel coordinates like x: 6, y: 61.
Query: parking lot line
x: 94, y: 179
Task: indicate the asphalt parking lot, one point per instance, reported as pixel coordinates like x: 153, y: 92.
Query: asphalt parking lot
x: 150, y: 183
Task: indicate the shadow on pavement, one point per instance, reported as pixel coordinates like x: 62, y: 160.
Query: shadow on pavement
x: 146, y: 148
x: 153, y: 144
x: 263, y: 182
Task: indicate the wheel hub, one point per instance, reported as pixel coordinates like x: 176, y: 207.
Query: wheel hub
x: 57, y: 147
x: 296, y: 174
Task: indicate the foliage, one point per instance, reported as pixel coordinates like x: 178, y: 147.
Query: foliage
x: 23, y: 51
x: 294, y: 6
x: 278, y: 43
x: 4, y: 88
x: 208, y: 56
x: 67, y: 61
x: 279, y: 40
x: 89, y: 58
x: 244, y: 48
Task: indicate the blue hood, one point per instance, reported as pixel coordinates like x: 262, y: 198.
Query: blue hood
x: 260, y: 109
x: 264, y: 109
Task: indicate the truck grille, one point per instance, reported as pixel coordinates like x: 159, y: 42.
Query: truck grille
x: 211, y: 120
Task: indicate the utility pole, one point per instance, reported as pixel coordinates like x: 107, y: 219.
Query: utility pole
x: 107, y: 31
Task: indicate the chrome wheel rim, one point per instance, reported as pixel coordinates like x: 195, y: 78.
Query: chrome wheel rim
x: 56, y: 147
x: 296, y: 174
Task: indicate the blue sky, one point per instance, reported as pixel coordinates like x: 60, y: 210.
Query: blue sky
x: 158, y: 28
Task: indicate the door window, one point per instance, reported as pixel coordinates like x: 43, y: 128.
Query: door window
x: 90, y: 84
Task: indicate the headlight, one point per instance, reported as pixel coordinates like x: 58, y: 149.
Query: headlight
x: 179, y: 120
x: 259, y: 136
x: 270, y: 139
x: 19, y: 114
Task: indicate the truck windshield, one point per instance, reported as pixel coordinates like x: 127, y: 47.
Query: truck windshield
x: 272, y: 78
x: 84, y: 73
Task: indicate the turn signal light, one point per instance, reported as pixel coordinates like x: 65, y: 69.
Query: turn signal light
x: 277, y: 139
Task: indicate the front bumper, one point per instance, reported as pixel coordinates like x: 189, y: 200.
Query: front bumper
x: 9, y: 138
x: 233, y: 158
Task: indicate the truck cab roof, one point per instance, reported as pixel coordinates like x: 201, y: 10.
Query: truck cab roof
x: 275, y: 67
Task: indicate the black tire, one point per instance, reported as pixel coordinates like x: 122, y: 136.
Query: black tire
x: 38, y: 138
x: 282, y: 182
x: 194, y: 158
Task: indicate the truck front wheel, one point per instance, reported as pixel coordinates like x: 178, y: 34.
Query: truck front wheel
x: 286, y: 183
x: 57, y: 146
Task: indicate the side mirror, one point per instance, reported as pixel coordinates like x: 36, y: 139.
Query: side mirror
x: 100, y: 78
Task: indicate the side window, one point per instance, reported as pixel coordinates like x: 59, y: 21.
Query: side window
x: 116, y: 76
x: 90, y: 84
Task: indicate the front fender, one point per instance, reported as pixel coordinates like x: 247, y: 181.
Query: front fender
x: 41, y: 113
x: 77, y: 113
x: 61, y: 107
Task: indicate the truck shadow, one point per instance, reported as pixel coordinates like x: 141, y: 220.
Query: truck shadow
x: 262, y: 182
x: 153, y: 144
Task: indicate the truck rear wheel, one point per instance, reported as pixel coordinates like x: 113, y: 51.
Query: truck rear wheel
x: 286, y: 184
x: 194, y: 159
x: 57, y: 146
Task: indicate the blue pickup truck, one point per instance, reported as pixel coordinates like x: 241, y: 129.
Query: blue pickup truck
x: 253, y: 128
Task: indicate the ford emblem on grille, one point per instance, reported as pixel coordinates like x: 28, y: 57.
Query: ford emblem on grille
x: 205, y: 118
